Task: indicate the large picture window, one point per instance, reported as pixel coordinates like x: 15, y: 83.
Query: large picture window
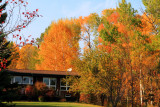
x: 64, y: 85
x: 22, y: 80
x: 50, y: 82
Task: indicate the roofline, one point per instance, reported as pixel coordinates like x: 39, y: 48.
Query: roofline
x: 42, y: 72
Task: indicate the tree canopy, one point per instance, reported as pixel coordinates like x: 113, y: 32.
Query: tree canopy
x: 60, y: 46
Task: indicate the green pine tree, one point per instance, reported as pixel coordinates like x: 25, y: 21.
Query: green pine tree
x: 5, y: 53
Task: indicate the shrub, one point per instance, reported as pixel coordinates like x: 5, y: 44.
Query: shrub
x: 41, y: 89
x: 10, y: 93
x: 40, y: 86
x: 30, y: 92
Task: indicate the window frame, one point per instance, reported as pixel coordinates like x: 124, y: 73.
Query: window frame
x: 66, y: 86
x: 51, y: 86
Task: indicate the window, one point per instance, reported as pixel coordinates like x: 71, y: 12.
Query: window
x: 64, y: 85
x: 46, y: 81
x: 18, y: 79
x: 22, y: 80
x: 27, y: 80
x: 50, y: 82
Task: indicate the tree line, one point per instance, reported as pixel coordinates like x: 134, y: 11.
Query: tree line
x: 120, y: 61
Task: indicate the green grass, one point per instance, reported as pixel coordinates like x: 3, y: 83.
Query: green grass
x: 52, y: 104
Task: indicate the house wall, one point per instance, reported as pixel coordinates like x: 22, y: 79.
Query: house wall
x: 39, y: 78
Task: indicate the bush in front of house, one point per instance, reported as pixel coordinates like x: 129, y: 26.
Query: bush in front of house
x: 30, y: 92
x: 39, y: 92
x: 41, y: 89
x: 33, y: 93
x: 9, y: 93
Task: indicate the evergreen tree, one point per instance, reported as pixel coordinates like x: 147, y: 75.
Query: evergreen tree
x: 4, y: 50
x: 6, y: 89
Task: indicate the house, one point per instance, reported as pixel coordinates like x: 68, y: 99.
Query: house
x: 53, y: 79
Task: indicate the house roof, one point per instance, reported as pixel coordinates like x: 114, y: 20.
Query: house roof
x: 43, y: 72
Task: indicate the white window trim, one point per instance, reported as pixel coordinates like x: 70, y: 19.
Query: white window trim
x: 66, y: 86
x: 50, y: 86
x: 12, y: 79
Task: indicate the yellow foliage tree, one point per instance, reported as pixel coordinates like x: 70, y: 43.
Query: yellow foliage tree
x: 14, y: 57
x: 28, y: 57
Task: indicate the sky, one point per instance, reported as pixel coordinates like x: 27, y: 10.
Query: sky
x: 52, y: 10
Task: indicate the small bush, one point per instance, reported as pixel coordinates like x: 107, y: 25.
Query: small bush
x: 41, y: 88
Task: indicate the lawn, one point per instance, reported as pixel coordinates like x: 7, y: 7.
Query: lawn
x: 52, y: 104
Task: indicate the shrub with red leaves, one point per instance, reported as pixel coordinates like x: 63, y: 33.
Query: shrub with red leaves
x: 30, y: 92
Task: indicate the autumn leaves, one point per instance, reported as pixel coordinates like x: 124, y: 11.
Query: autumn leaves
x: 60, y: 46
x: 120, y: 59
x: 123, y: 61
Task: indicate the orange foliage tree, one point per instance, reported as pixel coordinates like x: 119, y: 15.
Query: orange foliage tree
x: 60, y: 46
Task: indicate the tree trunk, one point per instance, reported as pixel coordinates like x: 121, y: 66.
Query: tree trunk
x: 141, y: 97
x: 102, y: 99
